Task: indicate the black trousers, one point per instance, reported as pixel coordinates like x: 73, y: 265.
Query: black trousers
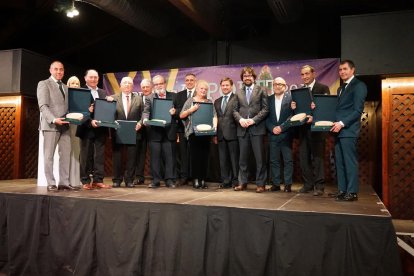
x: 182, y: 156
x: 199, y: 154
x: 96, y: 147
x: 141, y: 153
x: 119, y: 171
x: 256, y: 142
x: 229, y: 161
x: 162, y: 152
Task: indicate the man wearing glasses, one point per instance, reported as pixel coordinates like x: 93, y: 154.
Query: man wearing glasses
x: 250, y: 112
x: 161, y: 139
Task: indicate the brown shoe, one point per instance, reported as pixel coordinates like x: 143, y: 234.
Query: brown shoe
x: 240, y: 187
x: 260, y: 189
x: 101, y: 186
x: 87, y: 187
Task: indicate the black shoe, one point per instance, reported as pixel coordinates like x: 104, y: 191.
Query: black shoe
x: 68, y: 188
x: 288, y: 189
x: 225, y: 186
x: 318, y: 192
x: 305, y: 190
x: 154, y: 185
x: 129, y: 185
x: 170, y: 184
x: 203, y: 184
x: 138, y: 181
x: 116, y: 184
x: 340, y: 196
x: 52, y: 188
x: 336, y: 194
x: 196, y: 184
x: 349, y: 197
x: 274, y: 188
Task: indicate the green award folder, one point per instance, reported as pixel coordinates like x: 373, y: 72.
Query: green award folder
x: 105, y: 113
x: 324, y: 111
x: 126, y: 133
x: 203, y: 117
x: 79, y: 100
x: 303, y: 98
x: 160, y: 113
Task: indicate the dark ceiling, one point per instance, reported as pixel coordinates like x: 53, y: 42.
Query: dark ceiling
x: 144, y: 25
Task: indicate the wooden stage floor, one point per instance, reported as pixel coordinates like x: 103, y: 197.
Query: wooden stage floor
x: 368, y: 203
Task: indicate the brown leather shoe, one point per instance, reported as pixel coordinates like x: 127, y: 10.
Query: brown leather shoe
x: 101, y: 186
x: 87, y: 187
x: 240, y: 187
x: 260, y: 189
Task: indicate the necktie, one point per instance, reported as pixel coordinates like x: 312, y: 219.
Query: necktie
x: 61, y: 88
x: 128, y: 105
x: 343, y: 86
x: 224, y: 104
x: 248, y: 94
x: 188, y: 94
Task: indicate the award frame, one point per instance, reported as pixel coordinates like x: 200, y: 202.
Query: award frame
x: 104, y: 113
x: 160, y: 112
x: 325, y: 110
x: 203, y: 115
x: 79, y: 100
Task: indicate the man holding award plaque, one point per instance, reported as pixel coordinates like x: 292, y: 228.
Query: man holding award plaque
x: 161, y: 133
x: 312, y: 144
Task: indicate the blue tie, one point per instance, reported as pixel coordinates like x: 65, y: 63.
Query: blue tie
x: 248, y: 94
x: 224, y: 104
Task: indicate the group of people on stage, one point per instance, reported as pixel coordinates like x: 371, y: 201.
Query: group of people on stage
x: 177, y: 156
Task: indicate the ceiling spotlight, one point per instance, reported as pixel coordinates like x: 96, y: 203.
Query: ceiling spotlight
x: 72, y: 12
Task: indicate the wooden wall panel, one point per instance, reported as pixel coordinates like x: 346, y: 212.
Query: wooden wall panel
x: 398, y: 146
x: 7, y: 139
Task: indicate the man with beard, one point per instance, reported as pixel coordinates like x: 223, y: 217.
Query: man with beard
x: 161, y: 139
x: 250, y: 112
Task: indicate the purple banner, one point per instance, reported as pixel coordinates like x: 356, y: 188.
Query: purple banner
x: 326, y: 72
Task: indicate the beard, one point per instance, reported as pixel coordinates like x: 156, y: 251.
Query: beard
x: 160, y: 91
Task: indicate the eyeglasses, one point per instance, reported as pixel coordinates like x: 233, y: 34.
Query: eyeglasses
x: 247, y: 76
x: 279, y: 84
x: 160, y: 83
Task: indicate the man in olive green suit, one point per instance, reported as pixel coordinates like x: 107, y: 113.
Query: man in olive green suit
x: 351, y: 98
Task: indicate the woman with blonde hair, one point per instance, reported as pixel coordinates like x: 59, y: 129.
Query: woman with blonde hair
x: 199, y: 146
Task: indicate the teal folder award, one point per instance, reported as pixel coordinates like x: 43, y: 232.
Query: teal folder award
x: 303, y: 98
x: 160, y: 112
x: 324, y: 112
x: 202, y: 120
x: 79, y: 100
x: 126, y: 133
x: 105, y: 113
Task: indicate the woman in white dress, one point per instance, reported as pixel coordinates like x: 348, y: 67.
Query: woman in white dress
x: 74, y: 176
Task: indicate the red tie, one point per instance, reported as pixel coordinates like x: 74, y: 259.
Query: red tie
x: 128, y: 105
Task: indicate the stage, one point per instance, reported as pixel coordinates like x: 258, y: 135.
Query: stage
x: 182, y: 231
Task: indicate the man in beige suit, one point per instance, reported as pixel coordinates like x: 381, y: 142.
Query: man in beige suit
x: 52, y: 97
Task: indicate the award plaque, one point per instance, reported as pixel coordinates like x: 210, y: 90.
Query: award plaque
x: 324, y: 112
x: 79, y: 100
x: 126, y: 133
x: 202, y: 120
x: 104, y: 113
x: 160, y: 113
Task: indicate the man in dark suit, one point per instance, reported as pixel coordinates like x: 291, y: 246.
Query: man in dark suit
x: 129, y: 108
x: 161, y: 139
x: 182, y: 156
x: 52, y: 97
x: 280, y: 137
x: 142, y: 139
x: 228, y: 144
x: 312, y: 144
x: 351, y: 98
x: 92, y: 140
x: 250, y: 112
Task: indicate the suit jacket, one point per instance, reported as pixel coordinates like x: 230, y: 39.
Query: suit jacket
x: 86, y: 130
x: 51, y: 104
x: 156, y: 133
x: 226, y: 126
x: 257, y: 110
x: 319, y: 88
x: 136, y: 108
x: 350, y: 106
x: 179, y: 101
x: 285, y: 114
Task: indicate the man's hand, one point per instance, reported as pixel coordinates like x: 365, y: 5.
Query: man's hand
x: 109, y: 99
x: 313, y: 105
x: 60, y: 122
x: 336, y: 127
x: 250, y: 122
x: 244, y: 123
x: 138, y: 126
x: 91, y: 107
x: 94, y: 123
x: 172, y: 111
x: 310, y: 119
x: 277, y: 130
x: 293, y: 105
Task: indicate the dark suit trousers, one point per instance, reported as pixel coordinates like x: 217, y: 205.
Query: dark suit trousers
x: 277, y: 149
x: 97, y: 145
x: 182, y: 156
x: 256, y: 142
x: 311, y: 156
x: 141, y: 153
x: 117, y: 164
x: 229, y: 161
x: 199, y: 155
x: 162, y: 151
x: 347, y: 164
